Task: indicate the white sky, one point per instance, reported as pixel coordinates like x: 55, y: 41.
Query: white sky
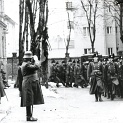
x: 11, y: 8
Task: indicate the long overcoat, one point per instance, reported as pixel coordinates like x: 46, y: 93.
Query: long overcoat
x: 2, y: 92
x: 92, y: 73
x: 31, y: 88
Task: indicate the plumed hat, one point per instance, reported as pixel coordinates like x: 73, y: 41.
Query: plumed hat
x: 28, y: 54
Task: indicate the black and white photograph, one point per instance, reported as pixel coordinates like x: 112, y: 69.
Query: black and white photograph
x: 61, y: 61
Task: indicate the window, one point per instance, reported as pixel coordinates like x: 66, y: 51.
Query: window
x: 87, y: 51
x: 70, y: 23
x: 109, y: 30
x: 71, y: 44
x: 86, y: 31
x: 110, y: 51
x: 68, y: 5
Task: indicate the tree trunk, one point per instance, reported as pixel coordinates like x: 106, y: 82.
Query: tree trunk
x: 21, y: 44
x: 92, y: 46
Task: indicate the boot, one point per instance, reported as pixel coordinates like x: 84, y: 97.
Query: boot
x: 31, y: 118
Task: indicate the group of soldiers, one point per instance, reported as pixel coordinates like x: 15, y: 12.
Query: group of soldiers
x: 105, y: 76
x: 72, y: 74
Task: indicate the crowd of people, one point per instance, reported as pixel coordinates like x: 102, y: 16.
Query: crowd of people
x: 104, y: 76
x: 70, y: 74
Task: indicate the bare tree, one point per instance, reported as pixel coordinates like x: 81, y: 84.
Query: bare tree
x: 69, y: 38
x: 116, y: 13
x: 90, y: 8
x: 32, y: 12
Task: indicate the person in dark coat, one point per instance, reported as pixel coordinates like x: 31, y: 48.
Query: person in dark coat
x: 104, y: 63
x: 31, y: 90
x: 120, y: 76
x: 112, y: 71
x: 94, y: 74
x: 78, y: 75
x: 69, y: 73
x: 2, y: 92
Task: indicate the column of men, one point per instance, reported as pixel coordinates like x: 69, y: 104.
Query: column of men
x: 70, y: 74
x: 74, y: 74
x: 106, y: 77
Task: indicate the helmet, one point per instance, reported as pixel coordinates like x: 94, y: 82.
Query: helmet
x: 28, y: 54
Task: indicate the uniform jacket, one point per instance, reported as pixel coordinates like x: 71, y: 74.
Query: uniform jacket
x: 31, y: 89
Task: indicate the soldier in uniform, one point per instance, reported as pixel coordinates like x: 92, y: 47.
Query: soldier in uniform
x: 120, y: 75
x: 94, y: 74
x: 63, y: 73
x: 78, y: 75
x: 111, y: 75
x: 52, y: 71
x: 104, y: 63
x: 57, y: 74
x: 69, y: 74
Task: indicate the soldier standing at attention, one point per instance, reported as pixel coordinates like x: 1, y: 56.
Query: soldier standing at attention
x: 104, y: 63
x: 69, y: 74
x: 120, y: 75
x: 63, y: 73
x: 78, y: 75
x: 94, y: 74
x: 52, y: 71
x: 57, y: 74
x: 111, y: 74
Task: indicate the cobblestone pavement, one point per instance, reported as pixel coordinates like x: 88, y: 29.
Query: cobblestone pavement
x: 63, y: 105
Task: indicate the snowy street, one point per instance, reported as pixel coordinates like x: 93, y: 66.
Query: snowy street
x: 63, y: 105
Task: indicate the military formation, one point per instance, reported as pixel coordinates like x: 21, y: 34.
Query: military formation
x: 104, y: 76
x: 71, y: 74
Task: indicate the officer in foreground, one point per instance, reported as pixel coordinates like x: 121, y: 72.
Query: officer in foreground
x: 31, y: 88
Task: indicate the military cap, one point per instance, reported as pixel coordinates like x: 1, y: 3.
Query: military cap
x: 70, y: 60
x: 57, y: 62
x: 120, y: 57
x: 95, y: 55
x: 74, y: 61
x: 111, y: 56
x: 53, y: 61
x: 105, y: 59
x: 78, y: 61
x: 63, y: 61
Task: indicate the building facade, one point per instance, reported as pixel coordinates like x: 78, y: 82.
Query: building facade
x: 64, y: 13
x: 3, y: 32
x: 12, y: 38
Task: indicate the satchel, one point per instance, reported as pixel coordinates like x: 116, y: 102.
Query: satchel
x: 99, y: 82
x: 115, y: 81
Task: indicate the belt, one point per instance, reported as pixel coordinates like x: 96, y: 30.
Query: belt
x: 34, y: 76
